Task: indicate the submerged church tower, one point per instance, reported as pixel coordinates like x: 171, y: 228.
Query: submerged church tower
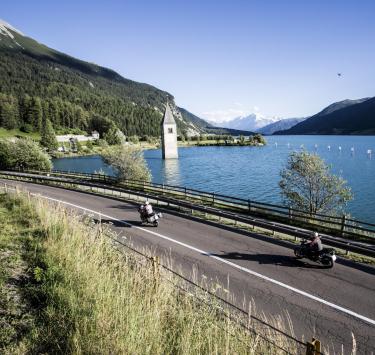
x: 169, y: 135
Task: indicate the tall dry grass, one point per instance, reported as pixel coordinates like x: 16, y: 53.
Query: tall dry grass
x: 94, y: 299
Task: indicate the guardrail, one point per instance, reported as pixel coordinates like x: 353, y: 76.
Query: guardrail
x: 102, y: 183
x: 341, y: 226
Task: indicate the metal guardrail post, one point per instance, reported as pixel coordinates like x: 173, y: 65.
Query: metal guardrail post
x: 249, y: 205
x: 343, y: 221
x: 290, y: 213
x: 213, y: 199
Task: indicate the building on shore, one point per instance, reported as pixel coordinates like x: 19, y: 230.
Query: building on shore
x: 169, y: 135
x: 78, y: 137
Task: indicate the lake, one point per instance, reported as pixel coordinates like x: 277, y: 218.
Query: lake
x: 254, y: 172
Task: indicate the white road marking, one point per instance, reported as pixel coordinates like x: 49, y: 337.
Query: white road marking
x: 266, y: 278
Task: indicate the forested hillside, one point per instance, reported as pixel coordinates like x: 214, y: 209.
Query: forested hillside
x: 38, y: 83
x: 355, y: 117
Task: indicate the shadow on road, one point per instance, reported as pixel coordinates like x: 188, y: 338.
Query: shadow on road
x: 281, y: 260
x: 126, y: 224
x: 125, y: 208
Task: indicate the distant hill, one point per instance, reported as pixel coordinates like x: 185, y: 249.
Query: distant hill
x: 70, y: 91
x: 279, y: 125
x: 351, y: 117
x: 228, y: 131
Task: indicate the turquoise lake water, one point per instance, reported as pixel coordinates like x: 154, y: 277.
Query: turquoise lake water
x: 254, y: 172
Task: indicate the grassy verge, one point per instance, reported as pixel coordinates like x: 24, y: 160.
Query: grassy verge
x: 17, y: 312
x: 77, y: 294
x: 10, y: 133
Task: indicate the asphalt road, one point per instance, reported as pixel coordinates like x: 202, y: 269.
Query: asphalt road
x: 329, y: 304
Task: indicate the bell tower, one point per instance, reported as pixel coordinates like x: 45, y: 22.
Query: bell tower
x: 169, y: 135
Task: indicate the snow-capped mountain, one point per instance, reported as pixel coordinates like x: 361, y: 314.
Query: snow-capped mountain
x: 251, y: 122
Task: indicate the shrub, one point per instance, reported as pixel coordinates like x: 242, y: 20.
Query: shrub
x: 23, y: 154
x: 128, y: 161
x: 307, y: 184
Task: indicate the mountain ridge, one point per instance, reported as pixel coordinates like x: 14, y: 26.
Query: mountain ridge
x: 282, y: 124
x: 347, y: 117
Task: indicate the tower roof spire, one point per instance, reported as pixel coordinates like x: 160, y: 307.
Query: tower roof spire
x: 168, y: 115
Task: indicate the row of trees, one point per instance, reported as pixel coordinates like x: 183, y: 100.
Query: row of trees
x: 30, y: 114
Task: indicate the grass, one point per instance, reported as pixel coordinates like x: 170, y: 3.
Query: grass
x: 78, y: 294
x: 6, y: 133
x: 17, y: 314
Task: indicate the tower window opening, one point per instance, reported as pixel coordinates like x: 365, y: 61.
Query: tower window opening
x: 170, y: 130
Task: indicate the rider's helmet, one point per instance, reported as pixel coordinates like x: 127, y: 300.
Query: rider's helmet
x: 314, y: 235
x: 147, y: 203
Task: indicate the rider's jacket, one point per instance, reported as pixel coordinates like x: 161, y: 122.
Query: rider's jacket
x: 316, y: 244
x: 149, y: 210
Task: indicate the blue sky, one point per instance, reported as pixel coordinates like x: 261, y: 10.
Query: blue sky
x: 220, y: 59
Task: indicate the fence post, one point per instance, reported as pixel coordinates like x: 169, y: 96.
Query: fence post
x: 185, y: 192
x: 155, y: 260
x: 290, y: 213
x: 343, y: 221
x: 249, y: 205
x: 313, y: 347
x: 213, y: 199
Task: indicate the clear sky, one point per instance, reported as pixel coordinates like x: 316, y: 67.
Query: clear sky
x: 219, y: 58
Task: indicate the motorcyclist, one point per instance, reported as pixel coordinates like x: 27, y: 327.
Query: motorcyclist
x: 314, y: 245
x: 148, y: 209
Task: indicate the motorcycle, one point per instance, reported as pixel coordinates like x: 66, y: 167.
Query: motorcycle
x: 325, y: 257
x: 151, y: 219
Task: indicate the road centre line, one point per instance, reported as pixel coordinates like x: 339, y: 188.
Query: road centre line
x: 238, y: 267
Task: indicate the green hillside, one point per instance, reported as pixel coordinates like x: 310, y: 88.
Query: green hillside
x: 348, y: 117
x: 39, y: 83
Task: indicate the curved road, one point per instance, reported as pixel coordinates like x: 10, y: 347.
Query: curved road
x: 329, y: 304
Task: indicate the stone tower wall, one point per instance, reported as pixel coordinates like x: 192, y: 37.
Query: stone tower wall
x: 169, y: 141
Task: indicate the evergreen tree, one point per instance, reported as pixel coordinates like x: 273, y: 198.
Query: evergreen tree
x: 113, y: 136
x: 35, y: 114
x: 45, y: 113
x: 48, y: 137
x: 24, y: 107
x: 8, y: 117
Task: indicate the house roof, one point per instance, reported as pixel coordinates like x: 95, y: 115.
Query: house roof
x: 168, y: 116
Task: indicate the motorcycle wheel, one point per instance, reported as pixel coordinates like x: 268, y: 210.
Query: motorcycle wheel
x: 297, y: 253
x: 328, y: 263
x: 156, y: 223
